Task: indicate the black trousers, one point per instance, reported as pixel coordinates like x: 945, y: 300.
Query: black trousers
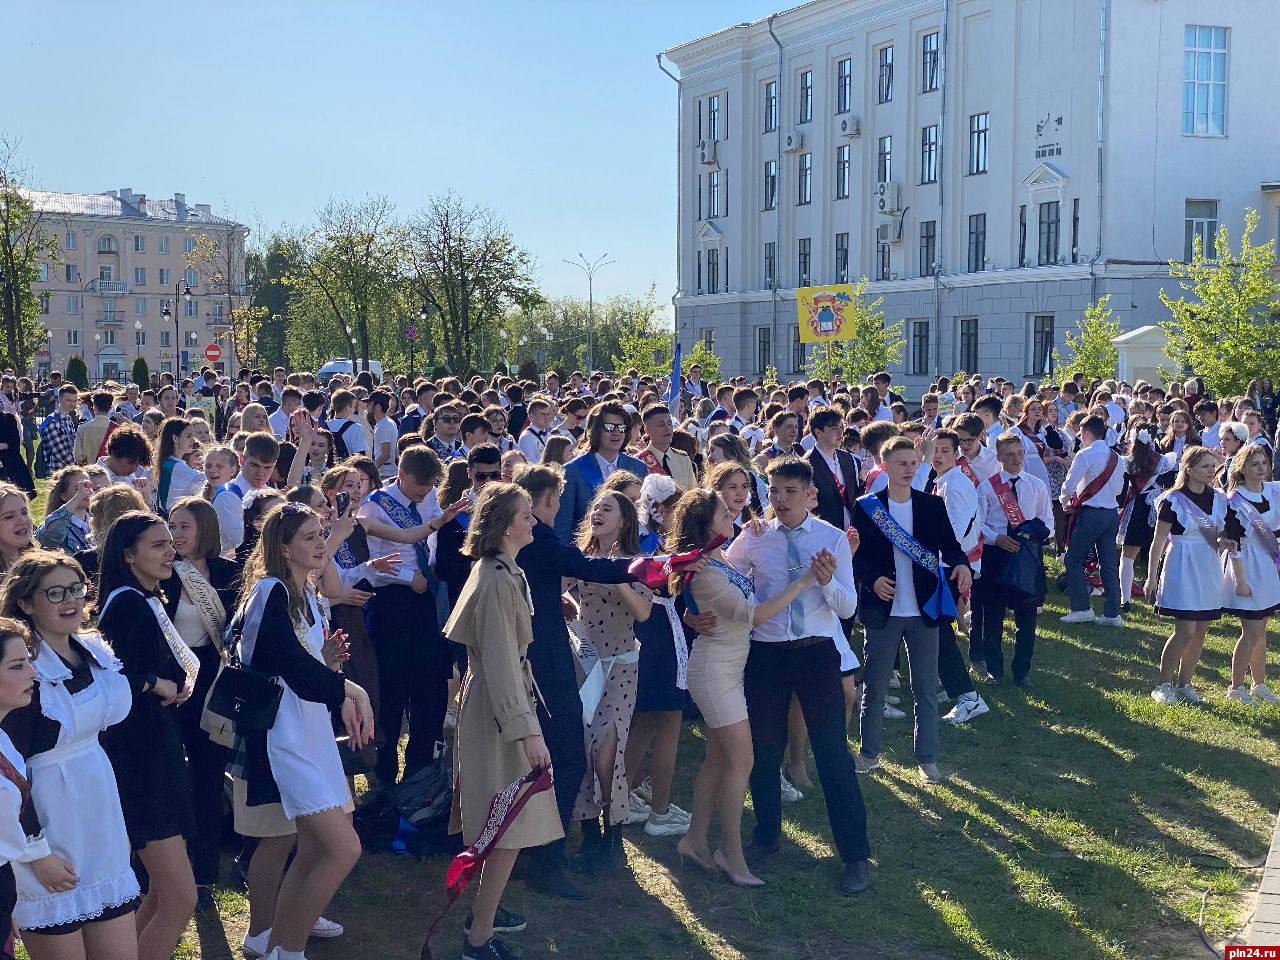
x: 414, y: 666
x: 206, y: 763
x: 774, y: 673
x: 995, y: 605
x: 561, y: 720
x: 952, y: 670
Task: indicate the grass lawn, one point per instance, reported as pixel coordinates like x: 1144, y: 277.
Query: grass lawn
x: 1081, y: 820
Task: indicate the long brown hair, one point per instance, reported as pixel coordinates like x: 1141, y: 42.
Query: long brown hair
x: 628, y: 533
x: 23, y: 580
x: 1235, y: 475
x: 690, y: 529
x: 267, y: 559
x: 60, y: 487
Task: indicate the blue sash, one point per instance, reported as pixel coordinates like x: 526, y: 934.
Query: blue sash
x: 589, y: 467
x: 345, y: 557
x: 941, y: 604
x: 649, y: 543
x: 229, y: 486
x: 404, y: 518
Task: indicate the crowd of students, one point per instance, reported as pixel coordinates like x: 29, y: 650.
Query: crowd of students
x: 461, y: 563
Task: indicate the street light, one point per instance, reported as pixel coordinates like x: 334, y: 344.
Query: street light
x: 97, y: 353
x: 589, y: 268
x: 177, y: 338
x: 137, y: 339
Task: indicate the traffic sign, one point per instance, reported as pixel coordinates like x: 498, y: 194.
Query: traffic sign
x: 212, y: 353
x: 411, y: 332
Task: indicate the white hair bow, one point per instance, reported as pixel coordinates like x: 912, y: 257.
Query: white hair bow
x: 1144, y: 436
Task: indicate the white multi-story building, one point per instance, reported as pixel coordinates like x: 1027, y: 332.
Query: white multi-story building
x: 119, y: 286
x: 992, y: 166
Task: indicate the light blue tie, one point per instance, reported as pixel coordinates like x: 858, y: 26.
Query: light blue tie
x: 794, y: 571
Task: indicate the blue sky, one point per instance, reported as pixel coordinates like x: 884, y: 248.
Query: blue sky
x: 553, y: 113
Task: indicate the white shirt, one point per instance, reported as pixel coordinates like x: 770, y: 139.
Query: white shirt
x: 765, y: 559
x: 885, y: 414
x: 985, y: 465
x: 1033, y: 498
x: 1116, y: 413
x: 229, y: 506
x: 606, y: 467
x: 354, y: 438
x: 184, y: 481
x: 1089, y: 463
x: 905, y: 603
x: 429, y: 509
x: 993, y: 432
x: 142, y: 473
x: 532, y: 442
x: 964, y: 510
x: 385, y: 431
x: 1212, y: 436
x: 279, y: 423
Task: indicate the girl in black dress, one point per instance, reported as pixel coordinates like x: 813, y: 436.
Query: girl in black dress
x: 146, y: 749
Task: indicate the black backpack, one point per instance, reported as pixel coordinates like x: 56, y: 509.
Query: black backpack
x: 341, y: 445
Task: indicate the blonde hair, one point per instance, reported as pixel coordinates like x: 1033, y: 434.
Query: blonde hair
x: 109, y: 503
x: 495, y: 509
x: 1189, y: 456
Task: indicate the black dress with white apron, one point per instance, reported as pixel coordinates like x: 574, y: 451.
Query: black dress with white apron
x: 1260, y: 570
x: 1190, y: 585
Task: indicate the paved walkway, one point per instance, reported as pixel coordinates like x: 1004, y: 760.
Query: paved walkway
x: 1264, y: 931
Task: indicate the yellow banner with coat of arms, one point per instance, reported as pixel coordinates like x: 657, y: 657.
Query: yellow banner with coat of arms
x: 820, y: 312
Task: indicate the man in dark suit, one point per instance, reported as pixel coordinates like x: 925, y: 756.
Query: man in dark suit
x: 695, y: 387
x: 607, y: 427
x: 902, y: 599
x: 835, y: 472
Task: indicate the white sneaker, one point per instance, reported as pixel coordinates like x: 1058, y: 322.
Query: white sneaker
x: 1187, y: 694
x: 1110, y: 621
x: 645, y: 790
x: 1078, y: 616
x: 669, y: 824
x: 1166, y: 693
x: 326, y: 929
x: 637, y: 810
x: 256, y: 946
x: 1262, y: 694
x: 890, y: 699
x: 1241, y: 695
x: 892, y: 713
x: 683, y: 814
x: 789, y: 793
x: 895, y: 681
x: 968, y: 706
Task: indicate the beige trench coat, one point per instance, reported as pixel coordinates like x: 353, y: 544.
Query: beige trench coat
x: 494, y: 620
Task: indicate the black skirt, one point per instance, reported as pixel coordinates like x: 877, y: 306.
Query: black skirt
x: 1139, y: 532
x: 1197, y: 616
x: 656, y: 689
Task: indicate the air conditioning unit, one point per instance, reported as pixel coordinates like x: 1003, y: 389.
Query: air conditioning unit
x: 793, y: 142
x: 884, y: 233
x: 851, y: 127
x: 888, y: 196
x: 707, y: 152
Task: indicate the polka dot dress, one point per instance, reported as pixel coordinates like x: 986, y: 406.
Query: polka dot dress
x: 610, y: 626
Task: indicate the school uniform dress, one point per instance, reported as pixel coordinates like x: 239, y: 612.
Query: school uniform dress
x: 73, y: 787
x: 1137, y: 524
x: 664, y: 649
x: 1190, y: 586
x: 1260, y: 570
x: 21, y: 839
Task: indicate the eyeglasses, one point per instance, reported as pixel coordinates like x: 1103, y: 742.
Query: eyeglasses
x: 613, y: 427
x: 487, y: 474
x: 448, y: 419
x: 75, y: 591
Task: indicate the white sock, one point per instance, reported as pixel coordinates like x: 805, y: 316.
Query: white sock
x: 1126, y: 579
x: 258, y: 938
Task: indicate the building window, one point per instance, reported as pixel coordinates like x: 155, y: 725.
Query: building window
x: 920, y: 347
x: 844, y: 85
x: 928, y: 246
x: 1075, y: 230
x: 109, y: 309
x: 190, y: 339
x: 713, y: 117
x: 45, y: 300
x: 107, y: 244
x: 709, y: 338
x: 797, y: 350
x: 771, y: 106
x: 699, y: 196
x: 806, y: 96
x: 1022, y: 235
x: 770, y: 264
x: 191, y: 278
x: 70, y: 241
x: 43, y: 276
x: 73, y: 338
x: 764, y: 348
x: 73, y: 303
x: 217, y: 313
x: 842, y: 171
x: 108, y: 338
x: 804, y: 193
x: 1042, y: 344
x: 804, y: 252
x: 977, y: 241
x: 929, y: 154
x: 1204, y: 81
x: 140, y: 307
x: 929, y: 63
x: 884, y: 261
x: 770, y: 184
x: 164, y: 276
x: 968, y: 344
x: 191, y: 309
x: 188, y: 244
x: 164, y: 244
x: 140, y: 338
x: 979, y: 126
x: 713, y: 194
x: 698, y: 260
x: 713, y: 271
x: 164, y: 338
x: 884, y: 160
x: 106, y: 272
x: 884, y: 88
x: 139, y: 243
x: 1201, y: 221
x: 139, y: 276
x: 73, y: 273
x: 842, y: 258
x: 1050, y: 221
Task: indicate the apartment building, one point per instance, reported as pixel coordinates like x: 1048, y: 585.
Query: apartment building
x: 991, y: 166
x: 124, y: 284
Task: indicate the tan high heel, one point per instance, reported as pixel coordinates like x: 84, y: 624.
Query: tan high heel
x: 683, y: 851
x: 737, y: 879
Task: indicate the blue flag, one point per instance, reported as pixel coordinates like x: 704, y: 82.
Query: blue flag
x: 673, y: 394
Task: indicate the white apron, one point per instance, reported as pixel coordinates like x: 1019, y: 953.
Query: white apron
x: 1260, y: 571
x: 1191, y: 578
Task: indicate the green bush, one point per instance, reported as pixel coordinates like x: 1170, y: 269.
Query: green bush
x: 77, y: 372
x: 141, y: 375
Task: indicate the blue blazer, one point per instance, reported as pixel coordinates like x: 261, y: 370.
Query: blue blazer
x: 580, y: 488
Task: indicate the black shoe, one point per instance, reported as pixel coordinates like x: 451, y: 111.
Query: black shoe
x: 614, y: 855
x: 240, y: 870
x: 856, y: 877
x: 1125, y: 607
x: 592, y: 850
x: 492, y: 949
x: 206, y: 906
x: 754, y: 852
x: 553, y: 881
x: 992, y: 679
x: 1023, y: 682
x: 504, y: 921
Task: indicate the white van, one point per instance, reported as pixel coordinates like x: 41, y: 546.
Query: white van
x: 344, y: 365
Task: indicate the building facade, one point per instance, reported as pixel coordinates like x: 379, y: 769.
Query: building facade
x: 991, y: 166
x: 119, y: 286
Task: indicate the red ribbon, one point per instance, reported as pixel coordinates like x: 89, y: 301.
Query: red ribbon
x: 652, y: 572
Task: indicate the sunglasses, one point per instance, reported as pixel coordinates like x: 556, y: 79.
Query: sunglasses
x: 75, y: 591
x: 449, y: 419
x: 487, y: 474
x: 613, y: 427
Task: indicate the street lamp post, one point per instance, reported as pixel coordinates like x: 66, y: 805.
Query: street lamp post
x: 177, y: 339
x: 137, y: 339
x: 589, y: 268
x: 97, y: 354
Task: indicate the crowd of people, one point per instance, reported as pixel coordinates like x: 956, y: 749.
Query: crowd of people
x: 444, y: 581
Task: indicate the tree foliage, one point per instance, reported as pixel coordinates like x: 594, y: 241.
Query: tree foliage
x: 1226, y: 326
x: 216, y: 257
x: 25, y: 244
x: 78, y: 372
x: 872, y: 345
x: 1091, y: 350
x: 704, y: 358
x: 141, y: 375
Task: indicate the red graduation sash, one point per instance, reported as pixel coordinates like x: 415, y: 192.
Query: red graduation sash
x: 1008, y: 502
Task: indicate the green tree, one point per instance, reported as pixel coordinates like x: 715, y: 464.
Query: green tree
x: 216, y: 257
x: 872, y: 345
x: 1090, y: 348
x: 649, y: 353
x: 77, y: 372
x: 141, y: 375
x: 704, y: 358
x: 1228, y: 328
x: 25, y: 245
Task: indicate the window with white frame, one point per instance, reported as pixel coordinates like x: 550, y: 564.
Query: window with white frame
x: 139, y: 276
x: 770, y: 106
x: 107, y: 244
x: 140, y: 307
x: 44, y: 271
x: 884, y: 160
x: 979, y: 127
x: 1201, y: 222
x: 188, y: 244
x: 806, y: 96
x: 165, y: 276
x: 1204, y: 81
x: 884, y: 88
x: 164, y: 244
x: 140, y: 338
x: 842, y: 258
x: 190, y: 309
x: 73, y: 273
x: 73, y: 338
x: 929, y: 154
x: 844, y: 85
x: 70, y: 241
x: 191, y: 278
x: 843, y: 165
x: 804, y: 192
x: 190, y: 338
x: 139, y: 243
x: 164, y: 338
x: 45, y: 301
x: 770, y: 184
x: 108, y: 338
x: 929, y: 62
x: 73, y: 303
